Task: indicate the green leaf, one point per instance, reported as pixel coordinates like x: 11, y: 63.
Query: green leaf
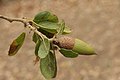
x: 44, y: 48
x: 48, y: 66
x: 16, y: 44
x: 49, y: 22
x: 37, y: 46
x: 54, y: 27
x: 61, y: 28
x: 66, y: 30
x: 68, y: 53
x: 49, y: 26
x: 45, y: 16
x: 35, y: 37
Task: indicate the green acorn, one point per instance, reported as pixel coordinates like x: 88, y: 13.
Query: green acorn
x: 75, y: 45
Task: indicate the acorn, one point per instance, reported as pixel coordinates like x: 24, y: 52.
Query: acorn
x: 75, y: 45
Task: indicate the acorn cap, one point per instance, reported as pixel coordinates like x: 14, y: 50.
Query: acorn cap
x: 66, y: 42
x: 76, y: 45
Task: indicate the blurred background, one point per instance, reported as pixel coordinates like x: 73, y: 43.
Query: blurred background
x: 94, y: 21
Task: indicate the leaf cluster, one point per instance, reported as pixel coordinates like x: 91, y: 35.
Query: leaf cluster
x: 49, y: 25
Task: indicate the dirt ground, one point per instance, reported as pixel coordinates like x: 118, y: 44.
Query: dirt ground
x: 94, y: 21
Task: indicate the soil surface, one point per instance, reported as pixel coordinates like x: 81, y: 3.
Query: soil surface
x: 94, y: 21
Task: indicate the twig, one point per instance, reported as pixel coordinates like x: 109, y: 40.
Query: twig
x: 25, y: 22
x: 13, y: 19
x: 36, y: 31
